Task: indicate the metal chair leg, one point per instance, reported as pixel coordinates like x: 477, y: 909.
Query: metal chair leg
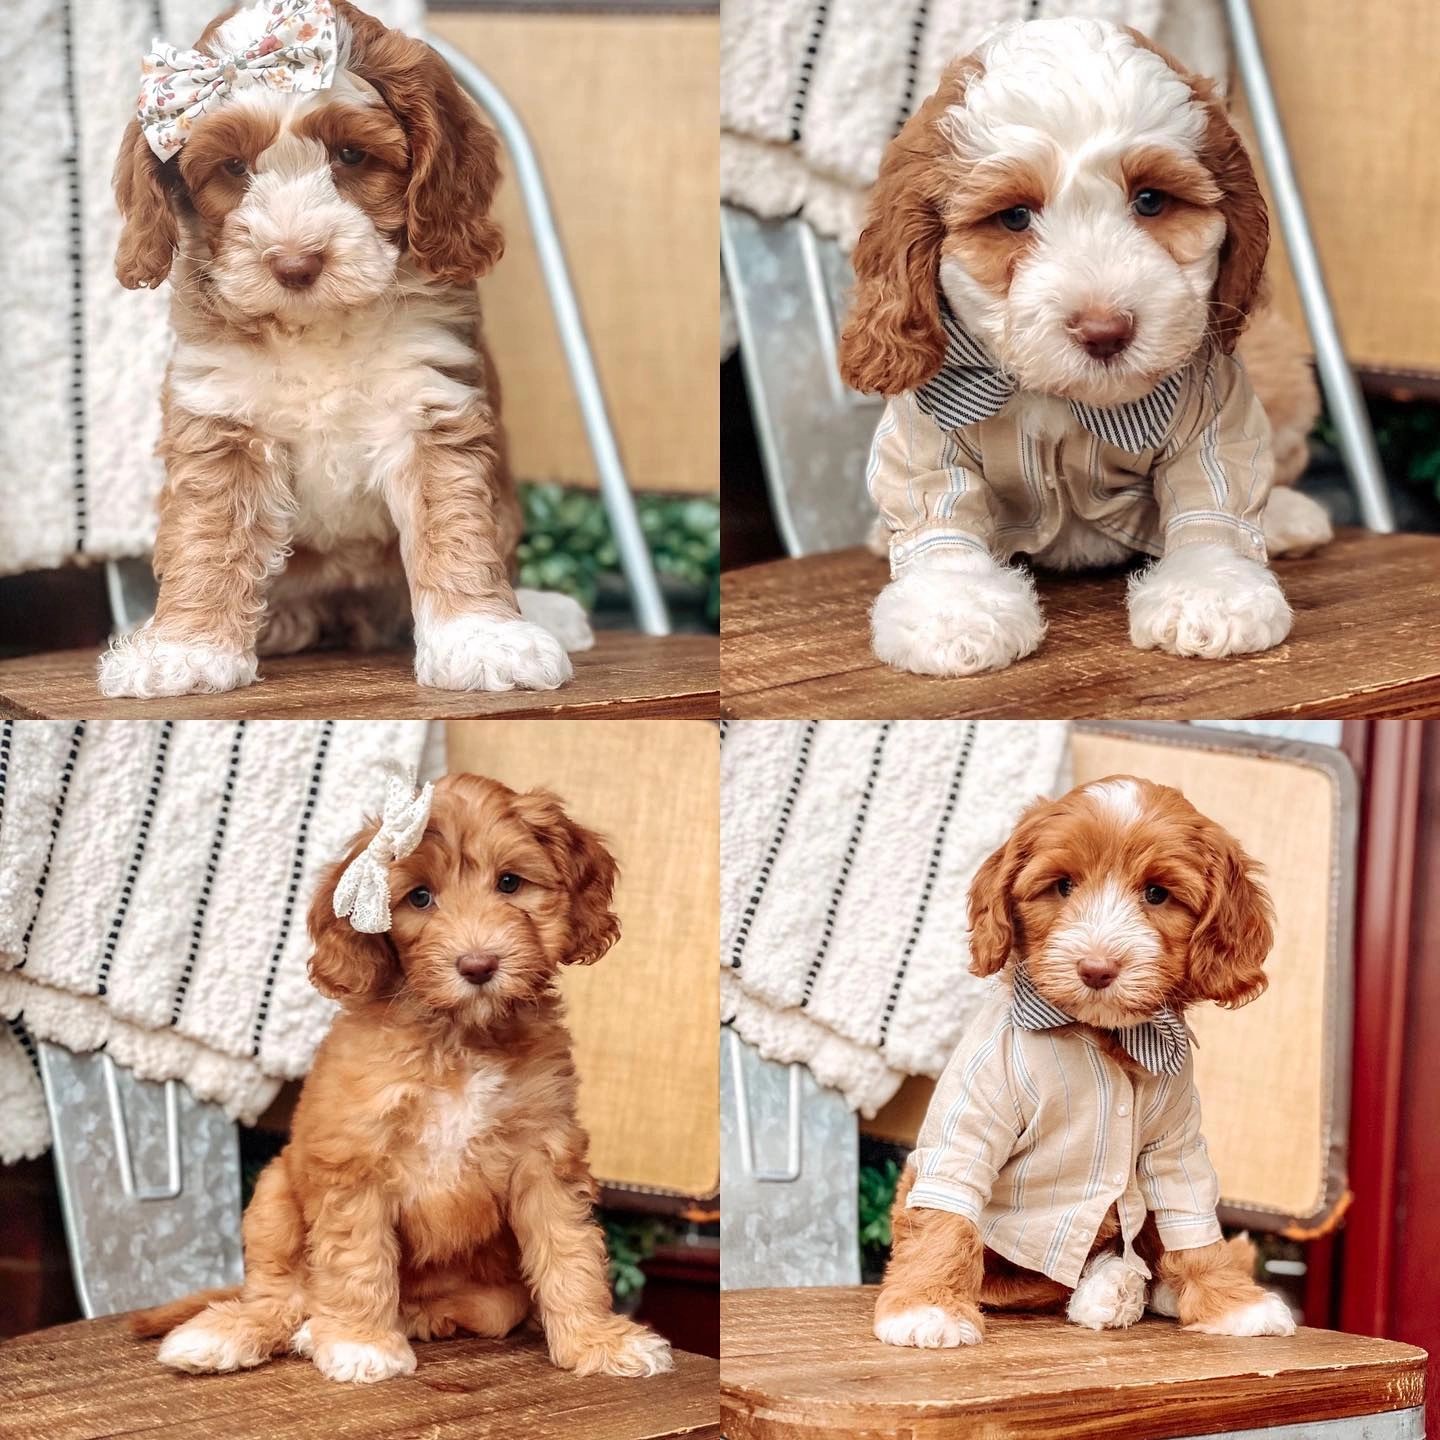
x: 650, y: 609
x: 1347, y: 408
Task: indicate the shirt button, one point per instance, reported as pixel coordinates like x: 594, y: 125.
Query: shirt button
x: 1122, y: 1109
x: 1117, y: 1179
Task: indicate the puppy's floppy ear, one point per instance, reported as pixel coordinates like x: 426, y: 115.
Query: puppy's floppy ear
x: 345, y: 964
x: 454, y: 156
x: 1236, y: 928
x: 1240, y: 282
x: 893, y: 339
x: 589, y: 871
x: 992, y: 919
x: 150, y: 233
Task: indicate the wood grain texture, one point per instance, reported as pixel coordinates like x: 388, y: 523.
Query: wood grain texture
x: 802, y: 1364
x: 84, y: 1381
x: 625, y: 676
x: 1356, y: 90
x: 795, y: 642
x: 623, y: 111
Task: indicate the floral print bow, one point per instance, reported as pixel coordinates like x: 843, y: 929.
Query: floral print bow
x: 364, y: 889
x: 293, y: 48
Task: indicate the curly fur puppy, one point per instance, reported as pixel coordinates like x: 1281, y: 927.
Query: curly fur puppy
x: 1061, y: 1163
x: 335, y: 463
x: 1061, y: 252
x: 435, y: 1177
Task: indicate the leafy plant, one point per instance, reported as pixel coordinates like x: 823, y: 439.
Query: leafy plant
x: 631, y: 1243
x: 568, y: 545
x: 1407, y: 435
x: 877, y: 1195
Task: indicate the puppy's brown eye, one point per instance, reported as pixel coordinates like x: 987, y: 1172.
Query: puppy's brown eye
x: 1148, y: 202
x: 421, y: 898
x: 1156, y: 894
x: 1063, y: 886
x: 349, y: 155
x: 1017, y: 217
x: 235, y: 166
x: 508, y: 884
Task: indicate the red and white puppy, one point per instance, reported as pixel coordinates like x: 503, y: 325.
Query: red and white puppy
x: 435, y: 1177
x: 1114, y: 904
x: 331, y: 431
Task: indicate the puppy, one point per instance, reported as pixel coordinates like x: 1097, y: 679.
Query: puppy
x: 335, y: 463
x: 435, y: 1178
x: 1061, y: 1163
x: 1061, y: 252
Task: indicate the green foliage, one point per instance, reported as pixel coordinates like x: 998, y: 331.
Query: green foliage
x: 631, y: 1242
x: 568, y: 545
x: 1407, y: 434
x: 877, y: 1195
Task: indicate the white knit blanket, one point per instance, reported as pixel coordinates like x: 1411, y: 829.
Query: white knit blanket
x: 812, y: 91
x: 847, y: 850
x: 82, y: 358
x: 154, y: 879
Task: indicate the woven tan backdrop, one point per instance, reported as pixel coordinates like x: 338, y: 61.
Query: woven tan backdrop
x: 646, y: 1017
x: 1265, y: 1072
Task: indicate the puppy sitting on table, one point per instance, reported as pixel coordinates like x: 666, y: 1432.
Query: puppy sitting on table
x: 1061, y: 252
x: 1061, y: 1161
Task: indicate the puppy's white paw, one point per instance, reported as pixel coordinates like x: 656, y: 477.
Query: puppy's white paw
x: 928, y: 1327
x: 1267, y: 1316
x: 488, y: 652
x: 1205, y: 600
x: 146, y: 666
x: 361, y: 1364
x: 1110, y: 1295
x: 1164, y: 1301
x: 1295, y: 524
x: 202, y: 1348
x: 563, y: 616
x: 956, y: 614
x: 619, y: 1347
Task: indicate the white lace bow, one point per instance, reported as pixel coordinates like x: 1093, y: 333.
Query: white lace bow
x: 364, y: 889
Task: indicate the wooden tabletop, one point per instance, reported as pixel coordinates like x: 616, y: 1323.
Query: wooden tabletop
x: 84, y: 1381
x: 625, y: 676
x: 1366, y: 642
x: 802, y: 1364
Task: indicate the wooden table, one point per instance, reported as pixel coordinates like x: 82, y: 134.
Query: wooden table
x: 802, y: 1364
x: 84, y: 1381
x: 1366, y: 642
x: 626, y: 676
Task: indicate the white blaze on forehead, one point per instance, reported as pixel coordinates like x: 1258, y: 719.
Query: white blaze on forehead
x: 1118, y: 798
x: 1079, y: 88
x: 1104, y: 920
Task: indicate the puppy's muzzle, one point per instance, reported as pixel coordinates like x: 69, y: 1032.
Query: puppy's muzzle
x: 478, y: 967
x: 1102, y: 334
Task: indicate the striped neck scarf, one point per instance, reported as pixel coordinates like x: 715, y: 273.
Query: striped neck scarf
x: 1160, y: 1043
x: 970, y: 387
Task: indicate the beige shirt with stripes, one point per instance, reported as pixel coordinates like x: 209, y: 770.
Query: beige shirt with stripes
x: 997, y: 487
x: 1035, y: 1134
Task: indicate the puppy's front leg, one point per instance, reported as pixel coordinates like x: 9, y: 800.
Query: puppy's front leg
x: 931, y: 1291
x: 562, y: 1252
x: 469, y: 634
x: 1206, y: 600
x: 1210, y: 1289
x: 225, y: 518
x: 354, y: 1332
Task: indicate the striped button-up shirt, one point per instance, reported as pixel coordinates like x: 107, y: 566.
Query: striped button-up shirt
x: 1035, y: 1134
x: 953, y: 464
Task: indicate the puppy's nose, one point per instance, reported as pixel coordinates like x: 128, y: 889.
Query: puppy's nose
x: 1097, y: 972
x: 297, y: 272
x: 1102, y: 333
x: 477, y: 967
